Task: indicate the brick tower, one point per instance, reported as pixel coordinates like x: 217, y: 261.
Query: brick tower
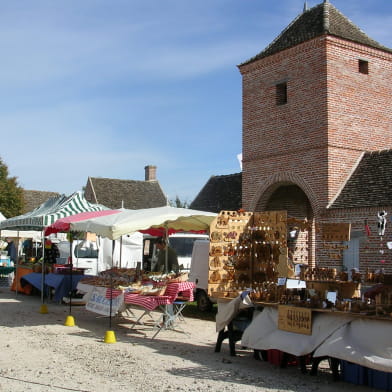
x: 314, y: 101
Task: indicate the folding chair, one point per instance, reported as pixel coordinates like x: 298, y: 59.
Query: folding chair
x: 182, y: 300
x: 172, y: 313
x: 178, y: 305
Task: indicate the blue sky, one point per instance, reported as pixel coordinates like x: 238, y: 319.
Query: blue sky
x: 103, y: 88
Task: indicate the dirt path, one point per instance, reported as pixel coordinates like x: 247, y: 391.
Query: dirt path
x: 39, y: 353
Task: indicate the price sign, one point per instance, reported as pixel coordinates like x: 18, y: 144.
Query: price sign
x: 295, y: 319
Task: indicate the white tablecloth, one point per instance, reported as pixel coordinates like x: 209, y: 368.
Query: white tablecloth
x: 227, y: 310
x: 363, y: 341
x: 366, y: 342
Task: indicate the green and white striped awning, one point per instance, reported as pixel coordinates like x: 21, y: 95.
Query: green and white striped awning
x: 51, y: 210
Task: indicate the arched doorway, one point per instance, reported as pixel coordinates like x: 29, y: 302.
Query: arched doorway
x: 300, y: 240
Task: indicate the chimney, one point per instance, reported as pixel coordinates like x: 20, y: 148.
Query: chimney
x: 150, y: 173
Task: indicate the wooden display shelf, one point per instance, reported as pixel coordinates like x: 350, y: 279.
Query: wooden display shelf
x: 345, y: 289
x: 317, y: 310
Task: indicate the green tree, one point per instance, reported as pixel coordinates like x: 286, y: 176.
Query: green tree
x: 11, y: 194
x: 178, y: 203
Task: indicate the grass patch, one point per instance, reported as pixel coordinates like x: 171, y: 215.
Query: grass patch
x: 192, y: 311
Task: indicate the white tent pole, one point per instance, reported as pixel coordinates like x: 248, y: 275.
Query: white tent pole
x: 43, y: 266
x: 166, y: 250
x: 111, y: 289
x: 16, y: 277
x: 19, y: 247
x: 121, y: 238
x: 16, y: 268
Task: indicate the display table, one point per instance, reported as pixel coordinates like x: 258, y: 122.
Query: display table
x: 4, y: 271
x: 60, y: 283
x: 364, y: 341
x: 24, y: 288
x: 162, y: 303
x: 4, y: 275
x: 106, y: 301
x: 150, y: 302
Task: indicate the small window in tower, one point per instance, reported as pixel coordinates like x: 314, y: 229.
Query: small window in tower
x: 363, y: 66
x: 281, y: 93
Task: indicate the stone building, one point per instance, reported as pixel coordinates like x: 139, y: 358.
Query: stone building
x: 317, y: 134
x: 131, y: 194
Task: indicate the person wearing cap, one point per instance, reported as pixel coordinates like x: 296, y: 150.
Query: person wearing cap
x: 172, y: 260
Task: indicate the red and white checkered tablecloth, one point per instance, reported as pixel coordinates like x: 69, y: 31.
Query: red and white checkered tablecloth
x: 114, y: 293
x: 150, y: 302
x: 183, y: 288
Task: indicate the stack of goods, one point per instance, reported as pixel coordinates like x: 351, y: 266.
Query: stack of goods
x: 134, y: 281
x: 246, y: 249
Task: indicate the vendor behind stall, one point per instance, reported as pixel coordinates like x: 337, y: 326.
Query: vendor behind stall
x: 172, y: 261
x: 51, y: 252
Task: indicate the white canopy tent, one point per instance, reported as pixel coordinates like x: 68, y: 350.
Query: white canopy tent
x: 35, y: 235
x: 130, y: 221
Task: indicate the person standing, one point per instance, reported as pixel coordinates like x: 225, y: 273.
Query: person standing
x: 51, y: 252
x: 11, y: 250
x: 172, y: 260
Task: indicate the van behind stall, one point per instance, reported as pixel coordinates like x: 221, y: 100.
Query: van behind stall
x: 182, y: 243
x: 96, y: 256
x: 193, y: 254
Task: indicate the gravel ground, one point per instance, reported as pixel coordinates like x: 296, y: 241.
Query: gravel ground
x: 39, y: 353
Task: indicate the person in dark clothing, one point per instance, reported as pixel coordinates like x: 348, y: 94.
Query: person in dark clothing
x: 172, y: 260
x: 51, y: 252
x: 28, y: 248
x: 11, y: 250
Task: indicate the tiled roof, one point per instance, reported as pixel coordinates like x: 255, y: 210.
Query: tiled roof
x: 371, y: 183
x: 319, y: 20
x: 220, y: 193
x: 33, y: 199
x: 114, y: 193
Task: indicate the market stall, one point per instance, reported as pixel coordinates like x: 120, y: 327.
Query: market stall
x: 129, y: 221
x: 45, y: 215
x: 321, y: 312
x: 122, y: 290
x: 62, y: 284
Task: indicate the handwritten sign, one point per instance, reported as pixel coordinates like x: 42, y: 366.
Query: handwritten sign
x: 98, y: 303
x: 295, y: 319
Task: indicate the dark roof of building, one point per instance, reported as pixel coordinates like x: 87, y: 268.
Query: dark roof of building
x: 33, y: 199
x: 130, y: 194
x: 220, y: 193
x: 370, y: 184
x: 317, y: 21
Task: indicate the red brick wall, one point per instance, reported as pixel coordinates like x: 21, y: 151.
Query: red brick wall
x: 290, y: 137
x: 373, y: 251
x: 332, y: 115
x: 359, y: 106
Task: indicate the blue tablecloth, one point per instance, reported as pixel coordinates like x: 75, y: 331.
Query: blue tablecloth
x: 60, y: 283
